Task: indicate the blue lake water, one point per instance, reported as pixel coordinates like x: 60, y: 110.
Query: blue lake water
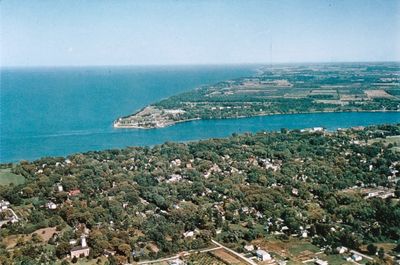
x: 56, y: 112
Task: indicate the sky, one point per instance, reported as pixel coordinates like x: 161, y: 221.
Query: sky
x: 164, y: 32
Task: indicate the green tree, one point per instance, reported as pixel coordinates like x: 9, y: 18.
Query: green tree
x: 372, y: 249
x: 381, y: 253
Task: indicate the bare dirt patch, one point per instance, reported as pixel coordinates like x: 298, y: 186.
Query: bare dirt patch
x: 227, y: 257
x: 45, y: 233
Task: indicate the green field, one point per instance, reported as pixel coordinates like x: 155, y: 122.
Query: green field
x: 7, y: 177
x: 299, y: 247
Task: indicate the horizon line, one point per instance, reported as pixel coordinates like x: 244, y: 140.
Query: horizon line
x: 193, y: 64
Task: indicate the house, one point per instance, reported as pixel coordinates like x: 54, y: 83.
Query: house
x: 371, y: 194
x: 177, y: 162
x: 356, y: 257
x: 320, y: 262
x: 284, y: 228
x: 4, y: 204
x: 60, y: 188
x: 51, y: 206
x: 75, y: 192
x: 342, y: 250
x: 318, y: 129
x: 188, y: 234
x: 107, y: 253
x: 174, y: 178
x: 263, y: 255
x: 249, y: 248
x: 81, y: 251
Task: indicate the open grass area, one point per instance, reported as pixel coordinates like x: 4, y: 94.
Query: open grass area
x: 292, y: 248
x: 300, y: 247
x: 7, y: 177
x: 337, y: 260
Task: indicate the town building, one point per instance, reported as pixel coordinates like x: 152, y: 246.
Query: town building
x: 356, y: 257
x: 80, y: 251
x: 342, y: 250
x: 263, y: 255
x: 4, y: 204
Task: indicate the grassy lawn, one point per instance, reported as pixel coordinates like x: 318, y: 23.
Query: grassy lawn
x: 300, y: 246
x: 337, y: 260
x: 6, y: 177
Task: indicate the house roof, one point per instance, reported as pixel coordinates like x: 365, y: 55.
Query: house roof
x: 79, y: 248
x: 262, y: 252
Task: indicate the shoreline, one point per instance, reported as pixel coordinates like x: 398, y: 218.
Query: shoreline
x: 116, y: 126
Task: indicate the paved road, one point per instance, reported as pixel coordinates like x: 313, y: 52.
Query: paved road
x: 360, y: 254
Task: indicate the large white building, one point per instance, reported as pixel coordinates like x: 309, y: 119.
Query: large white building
x: 263, y: 255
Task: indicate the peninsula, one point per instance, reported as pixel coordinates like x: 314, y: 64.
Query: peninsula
x: 280, y: 89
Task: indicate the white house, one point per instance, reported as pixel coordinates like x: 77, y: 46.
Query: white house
x: 263, y: 255
x: 356, y: 257
x: 4, y: 204
x: 249, y: 248
x: 51, y: 206
x: 60, y: 188
x: 188, y: 234
x: 174, y: 178
x: 342, y: 250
